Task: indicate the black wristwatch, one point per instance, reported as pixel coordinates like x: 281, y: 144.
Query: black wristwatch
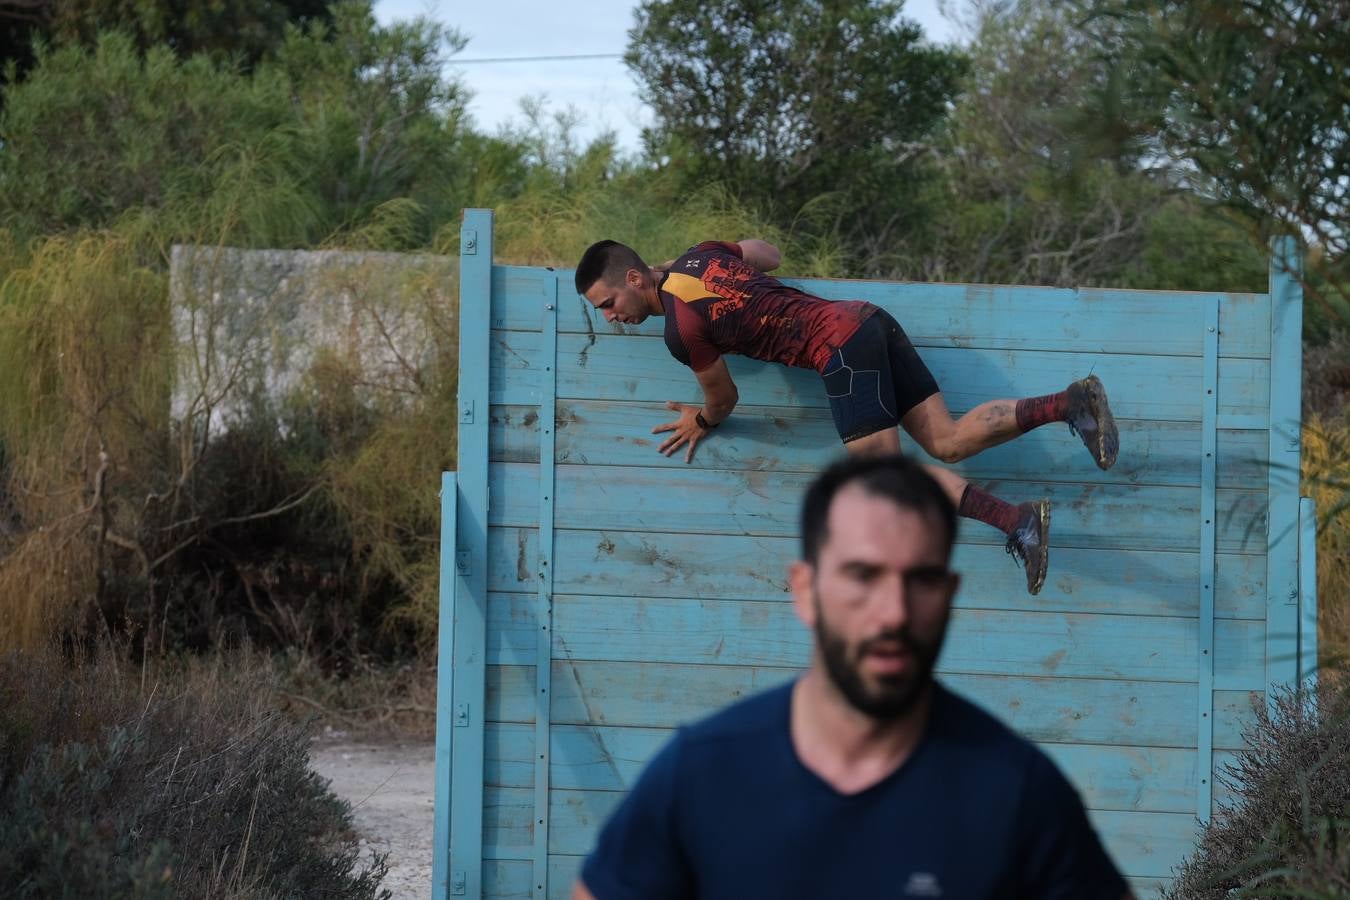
x: 704, y: 423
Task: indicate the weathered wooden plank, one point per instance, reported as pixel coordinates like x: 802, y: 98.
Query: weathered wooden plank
x: 1146, y: 844
x: 1234, y: 713
x: 471, y: 526
x: 1143, y: 779
x: 804, y: 440
x: 990, y: 642
x: 563, y: 873
x: 1059, y: 710
x: 958, y: 315
x: 653, y: 564
x: 710, y: 501
x: 583, y: 757
x: 1141, y: 843
x: 625, y: 367
x: 1286, y: 380
x: 509, y: 879
x: 1153, y: 779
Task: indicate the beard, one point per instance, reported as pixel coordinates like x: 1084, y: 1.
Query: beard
x: 885, y: 697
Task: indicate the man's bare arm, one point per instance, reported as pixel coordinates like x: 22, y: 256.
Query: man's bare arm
x: 580, y: 891
x: 719, y: 399
x: 760, y: 254
x: 719, y: 391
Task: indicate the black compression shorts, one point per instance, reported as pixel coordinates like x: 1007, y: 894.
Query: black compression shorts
x: 875, y: 378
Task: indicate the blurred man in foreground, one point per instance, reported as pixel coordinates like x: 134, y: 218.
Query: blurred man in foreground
x: 865, y: 777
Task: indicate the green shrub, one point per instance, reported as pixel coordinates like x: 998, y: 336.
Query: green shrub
x: 182, y: 783
x: 1286, y: 833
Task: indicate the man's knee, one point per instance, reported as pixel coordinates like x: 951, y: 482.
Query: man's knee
x: 946, y: 448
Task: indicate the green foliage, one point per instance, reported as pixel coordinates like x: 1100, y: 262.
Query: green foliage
x: 790, y: 104
x: 133, y: 131
x: 375, y: 114
x: 1285, y: 833
x: 1015, y: 195
x: 1249, y: 103
x: 1189, y: 245
x: 179, y: 783
x: 242, y: 30
x: 347, y: 117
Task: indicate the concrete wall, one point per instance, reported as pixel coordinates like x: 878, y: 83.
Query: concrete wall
x: 249, y: 324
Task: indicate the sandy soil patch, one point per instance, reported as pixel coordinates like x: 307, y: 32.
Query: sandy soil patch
x: 391, y: 790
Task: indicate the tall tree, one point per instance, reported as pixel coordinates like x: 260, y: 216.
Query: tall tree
x: 240, y: 32
x: 789, y: 101
x: 1250, y: 103
x: 344, y: 118
x: 243, y: 30
x: 1018, y: 195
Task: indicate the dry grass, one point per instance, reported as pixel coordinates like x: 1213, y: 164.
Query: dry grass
x: 82, y: 400
x: 364, y: 700
x: 181, y: 781
x: 1326, y: 478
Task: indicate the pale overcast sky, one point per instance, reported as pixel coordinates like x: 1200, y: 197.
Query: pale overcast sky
x: 601, y: 90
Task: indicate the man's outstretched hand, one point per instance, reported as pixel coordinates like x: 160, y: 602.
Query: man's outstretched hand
x: 686, y: 428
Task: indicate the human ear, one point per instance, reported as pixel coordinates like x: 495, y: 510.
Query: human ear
x: 801, y: 581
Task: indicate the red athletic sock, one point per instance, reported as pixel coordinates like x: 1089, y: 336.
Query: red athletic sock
x: 977, y: 504
x: 1033, y: 412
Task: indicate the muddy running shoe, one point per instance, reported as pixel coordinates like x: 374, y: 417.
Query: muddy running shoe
x: 1089, y: 417
x: 1029, y: 542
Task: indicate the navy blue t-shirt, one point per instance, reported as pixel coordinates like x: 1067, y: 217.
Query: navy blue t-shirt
x: 727, y: 810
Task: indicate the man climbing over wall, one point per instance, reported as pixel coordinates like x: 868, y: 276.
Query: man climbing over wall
x: 865, y: 777
x: 717, y: 299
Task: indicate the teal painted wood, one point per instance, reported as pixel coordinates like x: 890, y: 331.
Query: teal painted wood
x: 654, y: 564
x: 1143, y: 843
x: 618, y: 367
x: 470, y: 610
x: 1206, y: 649
x: 667, y: 580
x: 1307, y: 586
x: 991, y: 317
x: 440, y: 841
x: 704, y: 501
x: 1282, y: 529
x: 1047, y: 709
x: 709, y: 631
x: 781, y: 439
x: 543, y: 624
x: 1150, y: 779
x: 505, y: 879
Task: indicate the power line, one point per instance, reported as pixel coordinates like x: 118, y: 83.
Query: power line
x: 511, y: 59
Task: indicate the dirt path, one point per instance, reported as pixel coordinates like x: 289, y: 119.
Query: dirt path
x: 390, y: 787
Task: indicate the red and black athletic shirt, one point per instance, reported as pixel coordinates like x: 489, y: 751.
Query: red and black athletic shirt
x: 717, y: 303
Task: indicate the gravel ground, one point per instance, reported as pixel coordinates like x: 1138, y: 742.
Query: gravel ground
x: 390, y: 787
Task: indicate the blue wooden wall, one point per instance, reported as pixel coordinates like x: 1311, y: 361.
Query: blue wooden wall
x: 597, y: 595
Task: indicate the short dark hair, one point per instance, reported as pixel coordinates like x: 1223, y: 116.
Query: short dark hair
x: 891, y: 477
x: 607, y: 260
